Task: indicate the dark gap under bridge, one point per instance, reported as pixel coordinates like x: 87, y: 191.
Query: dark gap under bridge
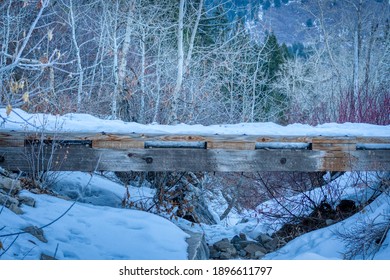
x: 56, y: 151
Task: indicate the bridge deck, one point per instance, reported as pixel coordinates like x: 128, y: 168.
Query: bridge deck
x: 29, y: 151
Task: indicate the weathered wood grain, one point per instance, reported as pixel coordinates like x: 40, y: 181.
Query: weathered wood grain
x: 81, y: 158
x: 231, y: 145
x: 158, y: 152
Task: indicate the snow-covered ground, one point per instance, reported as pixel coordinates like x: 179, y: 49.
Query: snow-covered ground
x: 96, y: 227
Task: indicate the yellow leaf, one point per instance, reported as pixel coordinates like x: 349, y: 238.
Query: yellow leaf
x: 26, y: 97
x: 14, y: 86
x: 8, y: 109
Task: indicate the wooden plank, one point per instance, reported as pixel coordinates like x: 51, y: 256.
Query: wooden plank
x: 20, y: 135
x: 231, y: 145
x: 122, y: 145
x: 361, y: 160
x: 333, y: 147
x: 8, y: 139
x: 334, y: 144
x: 82, y: 158
x: 283, y: 138
x: 371, y: 139
x: 32, y: 159
x: 205, y: 160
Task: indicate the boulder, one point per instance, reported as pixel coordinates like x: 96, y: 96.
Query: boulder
x: 9, y: 185
x: 259, y: 255
x: 274, y: 244
x: 238, y: 241
x: 14, y: 208
x: 26, y: 200
x: 214, y: 253
x: 264, y: 238
x: 224, y: 246
x: 11, y: 203
x: 254, y: 247
x: 329, y: 222
x: 37, y: 232
x: 225, y: 256
x: 47, y: 257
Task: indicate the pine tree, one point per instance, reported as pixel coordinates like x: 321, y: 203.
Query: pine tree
x: 274, y: 56
x: 213, y: 27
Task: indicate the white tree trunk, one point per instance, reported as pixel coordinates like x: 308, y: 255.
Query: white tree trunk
x: 80, y: 70
x: 114, y: 101
x: 142, y: 77
x: 180, y: 65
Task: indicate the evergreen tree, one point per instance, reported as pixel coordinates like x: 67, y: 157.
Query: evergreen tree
x: 213, y: 27
x: 274, y: 56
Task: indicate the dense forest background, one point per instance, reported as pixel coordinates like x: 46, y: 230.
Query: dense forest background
x: 196, y: 61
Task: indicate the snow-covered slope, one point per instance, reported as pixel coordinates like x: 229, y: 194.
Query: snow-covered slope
x: 89, y: 232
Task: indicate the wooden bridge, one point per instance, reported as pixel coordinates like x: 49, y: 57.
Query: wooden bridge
x: 28, y: 151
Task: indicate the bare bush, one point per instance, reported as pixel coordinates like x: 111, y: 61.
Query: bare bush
x: 364, y: 238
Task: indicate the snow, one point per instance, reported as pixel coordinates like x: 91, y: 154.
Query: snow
x: 88, y: 231
x: 96, y: 227
x: 324, y: 244
x: 87, y: 123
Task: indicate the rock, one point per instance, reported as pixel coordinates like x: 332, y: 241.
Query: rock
x: 259, y: 255
x: 329, y: 222
x: 8, y: 200
x: 264, y: 238
x: 242, y: 236
x: 225, y: 246
x: 222, y: 245
x: 252, y: 248
x: 238, y: 240
x: 235, y: 240
x: 46, y: 257
x: 225, y: 256
x: 214, y: 253
x: 274, y: 244
x: 14, y: 208
x: 36, y: 191
x: 9, y: 185
x: 242, y: 253
x: 26, y: 200
x: 11, y: 203
x: 37, y: 232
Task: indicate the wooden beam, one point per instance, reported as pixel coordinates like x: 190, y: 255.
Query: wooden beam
x: 158, y: 152
x: 82, y: 158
